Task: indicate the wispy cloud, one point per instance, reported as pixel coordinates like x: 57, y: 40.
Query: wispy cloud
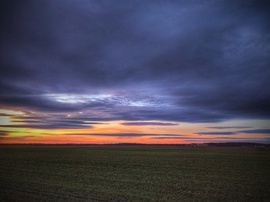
x: 169, y: 138
x: 149, y: 123
x: 216, y: 133
x: 47, y: 126
x: 229, y: 127
x: 3, y: 133
x: 254, y: 131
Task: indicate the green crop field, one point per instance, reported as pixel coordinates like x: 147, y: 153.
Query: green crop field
x: 134, y: 173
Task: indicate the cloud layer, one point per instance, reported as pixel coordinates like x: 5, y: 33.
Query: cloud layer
x: 186, y: 61
x: 254, y: 131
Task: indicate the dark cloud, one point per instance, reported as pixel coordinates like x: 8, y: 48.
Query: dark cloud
x: 47, y: 126
x: 236, y: 140
x: 216, y: 133
x: 217, y: 140
x: 229, y: 127
x: 3, y: 114
x: 168, y: 138
x: 49, y: 122
x: 254, y: 131
x: 3, y: 134
x: 149, y: 123
x: 19, y: 138
x: 187, y: 61
x: 170, y: 113
x: 258, y: 131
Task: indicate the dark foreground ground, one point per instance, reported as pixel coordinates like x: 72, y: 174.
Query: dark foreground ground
x: 133, y: 173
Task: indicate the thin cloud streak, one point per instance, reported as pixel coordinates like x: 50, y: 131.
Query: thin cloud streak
x: 216, y: 133
x: 48, y: 126
x: 258, y: 131
x: 149, y: 123
x: 230, y: 127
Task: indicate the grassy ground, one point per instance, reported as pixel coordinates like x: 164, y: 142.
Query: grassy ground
x: 133, y: 173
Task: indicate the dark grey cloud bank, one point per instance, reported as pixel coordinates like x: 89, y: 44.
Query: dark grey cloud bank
x: 216, y: 133
x: 138, y: 123
x: 48, y: 123
x: 230, y: 127
x: 190, y: 61
x: 258, y: 131
x: 254, y: 131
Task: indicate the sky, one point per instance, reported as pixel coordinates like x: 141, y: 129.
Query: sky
x: 149, y: 71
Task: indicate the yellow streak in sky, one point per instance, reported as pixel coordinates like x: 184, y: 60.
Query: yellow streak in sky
x: 10, y: 112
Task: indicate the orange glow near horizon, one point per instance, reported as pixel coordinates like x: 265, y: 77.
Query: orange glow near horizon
x: 14, y: 131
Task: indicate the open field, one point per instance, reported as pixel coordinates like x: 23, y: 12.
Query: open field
x: 133, y: 173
